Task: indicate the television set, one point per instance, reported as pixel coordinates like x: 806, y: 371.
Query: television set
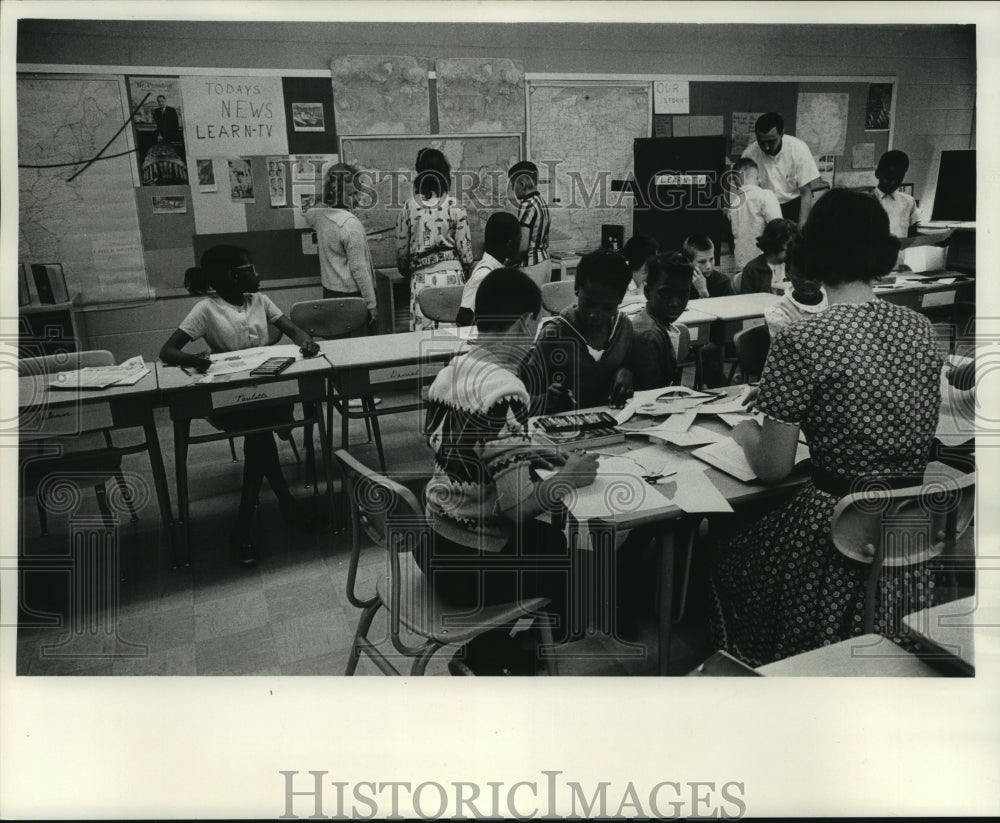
x: 955, y: 194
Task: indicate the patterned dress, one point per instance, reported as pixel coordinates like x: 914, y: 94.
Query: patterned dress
x: 433, y: 248
x: 863, y: 383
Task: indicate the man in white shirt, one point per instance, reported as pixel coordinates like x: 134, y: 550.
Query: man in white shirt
x: 786, y: 166
x: 750, y: 209
x: 901, y: 207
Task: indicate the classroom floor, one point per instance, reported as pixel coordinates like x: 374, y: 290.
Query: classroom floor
x: 289, y: 615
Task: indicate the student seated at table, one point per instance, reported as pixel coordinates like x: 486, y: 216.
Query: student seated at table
x: 235, y: 318
x: 805, y: 299
x: 583, y: 355
x: 484, y: 495
x: 637, y: 251
x: 654, y: 352
x: 708, y: 281
x: 766, y: 272
x: 502, y: 240
x: 862, y: 381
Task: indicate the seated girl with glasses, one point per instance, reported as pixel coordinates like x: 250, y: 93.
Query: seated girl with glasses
x: 237, y: 317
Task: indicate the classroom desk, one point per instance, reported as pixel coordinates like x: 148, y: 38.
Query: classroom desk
x: 674, y: 523
x: 45, y: 412
x: 697, y: 322
x: 365, y: 366
x: 188, y: 397
x: 734, y: 313
x: 928, y: 294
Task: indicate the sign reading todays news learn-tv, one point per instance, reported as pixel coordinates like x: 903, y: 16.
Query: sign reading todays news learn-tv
x: 233, y: 116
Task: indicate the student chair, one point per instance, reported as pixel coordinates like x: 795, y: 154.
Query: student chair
x: 441, y: 303
x: 334, y: 319
x: 93, y: 451
x: 557, y: 296
x: 752, y: 346
x: 389, y: 515
x: 903, y: 527
x: 682, y: 355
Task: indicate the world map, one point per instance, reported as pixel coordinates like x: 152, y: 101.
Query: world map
x: 480, y: 95
x: 381, y: 95
x: 479, y: 181
x: 89, y: 224
x: 580, y: 137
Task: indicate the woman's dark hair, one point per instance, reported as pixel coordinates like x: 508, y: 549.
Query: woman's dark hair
x: 777, y: 234
x: 216, y: 264
x: 504, y: 295
x: 639, y: 249
x: 846, y: 238
x: 333, y: 184
x: 604, y: 268
x: 671, y: 265
x: 433, y: 173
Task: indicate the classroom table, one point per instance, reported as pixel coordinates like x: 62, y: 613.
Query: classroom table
x: 697, y: 322
x: 927, y: 293
x: 734, y: 313
x: 44, y: 412
x: 189, y: 396
x: 868, y: 655
x: 674, y: 523
x: 366, y: 366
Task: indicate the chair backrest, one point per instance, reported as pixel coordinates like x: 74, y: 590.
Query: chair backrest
x: 380, y: 508
x: 441, y: 303
x: 737, y: 278
x: 683, y: 344
x: 557, y: 296
x: 902, y: 527
x: 70, y: 361
x: 752, y: 346
x: 332, y: 318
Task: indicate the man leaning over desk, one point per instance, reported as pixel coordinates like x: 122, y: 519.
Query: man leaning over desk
x: 786, y: 166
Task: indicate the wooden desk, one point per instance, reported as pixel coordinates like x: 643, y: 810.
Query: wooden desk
x: 45, y: 413
x: 734, y: 313
x: 868, y: 655
x: 189, y: 396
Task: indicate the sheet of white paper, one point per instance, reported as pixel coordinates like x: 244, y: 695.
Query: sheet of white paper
x: 735, y: 418
x: 618, y: 490
x: 676, y: 423
x: 670, y: 407
x: 727, y: 455
x: 695, y: 436
x: 246, y: 359
x: 733, y: 405
x: 696, y: 493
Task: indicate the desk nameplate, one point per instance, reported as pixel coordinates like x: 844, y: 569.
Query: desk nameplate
x: 65, y: 419
x: 409, y: 372
x: 256, y: 393
x: 752, y: 322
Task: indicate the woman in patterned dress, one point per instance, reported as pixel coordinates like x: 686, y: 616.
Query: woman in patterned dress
x: 433, y: 242
x: 862, y: 382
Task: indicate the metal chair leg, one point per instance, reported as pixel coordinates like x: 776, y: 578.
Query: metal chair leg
x: 232, y: 450
x: 364, y: 624
x: 370, y: 406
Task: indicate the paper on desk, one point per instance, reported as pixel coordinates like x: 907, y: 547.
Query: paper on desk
x: 694, y: 436
x: 676, y: 424
x: 925, y: 239
x: 696, y: 493
x: 246, y: 359
x: 617, y: 490
x: 733, y: 419
x: 727, y: 455
x: 733, y: 405
x: 99, y: 377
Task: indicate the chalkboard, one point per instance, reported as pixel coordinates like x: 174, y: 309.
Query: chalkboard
x: 479, y: 166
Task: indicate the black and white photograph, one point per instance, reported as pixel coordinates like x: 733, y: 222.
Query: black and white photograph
x: 530, y: 449
x: 308, y: 117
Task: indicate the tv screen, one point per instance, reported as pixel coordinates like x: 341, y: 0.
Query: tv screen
x: 955, y: 196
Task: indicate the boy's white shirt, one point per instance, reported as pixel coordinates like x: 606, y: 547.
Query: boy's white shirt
x: 758, y: 207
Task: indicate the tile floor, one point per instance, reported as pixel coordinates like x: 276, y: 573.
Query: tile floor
x: 287, y: 616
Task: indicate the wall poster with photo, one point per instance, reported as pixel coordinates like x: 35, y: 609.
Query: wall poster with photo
x: 879, y: 109
x: 308, y: 117
x: 158, y: 129
x: 206, y: 175
x: 241, y: 180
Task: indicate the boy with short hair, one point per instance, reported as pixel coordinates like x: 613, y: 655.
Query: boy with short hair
x: 750, y: 209
x: 502, y: 240
x: 900, y: 206
x: 484, y: 496
x: 533, y: 215
x: 656, y: 337
x: 707, y: 280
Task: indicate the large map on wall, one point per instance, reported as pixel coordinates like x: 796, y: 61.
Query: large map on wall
x: 580, y: 136
x: 90, y: 224
x: 381, y: 95
x: 479, y: 181
x: 821, y: 121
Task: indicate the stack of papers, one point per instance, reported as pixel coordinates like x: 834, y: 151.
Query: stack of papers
x: 727, y: 455
x: 100, y: 377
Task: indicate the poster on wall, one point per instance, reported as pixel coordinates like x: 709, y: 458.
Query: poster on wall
x: 276, y: 180
x: 234, y: 116
x: 742, y: 131
x: 206, y: 176
x: 308, y: 117
x: 158, y: 129
x: 879, y: 108
x: 821, y: 121
x: 825, y: 165
x: 863, y: 156
x: 240, y: 180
